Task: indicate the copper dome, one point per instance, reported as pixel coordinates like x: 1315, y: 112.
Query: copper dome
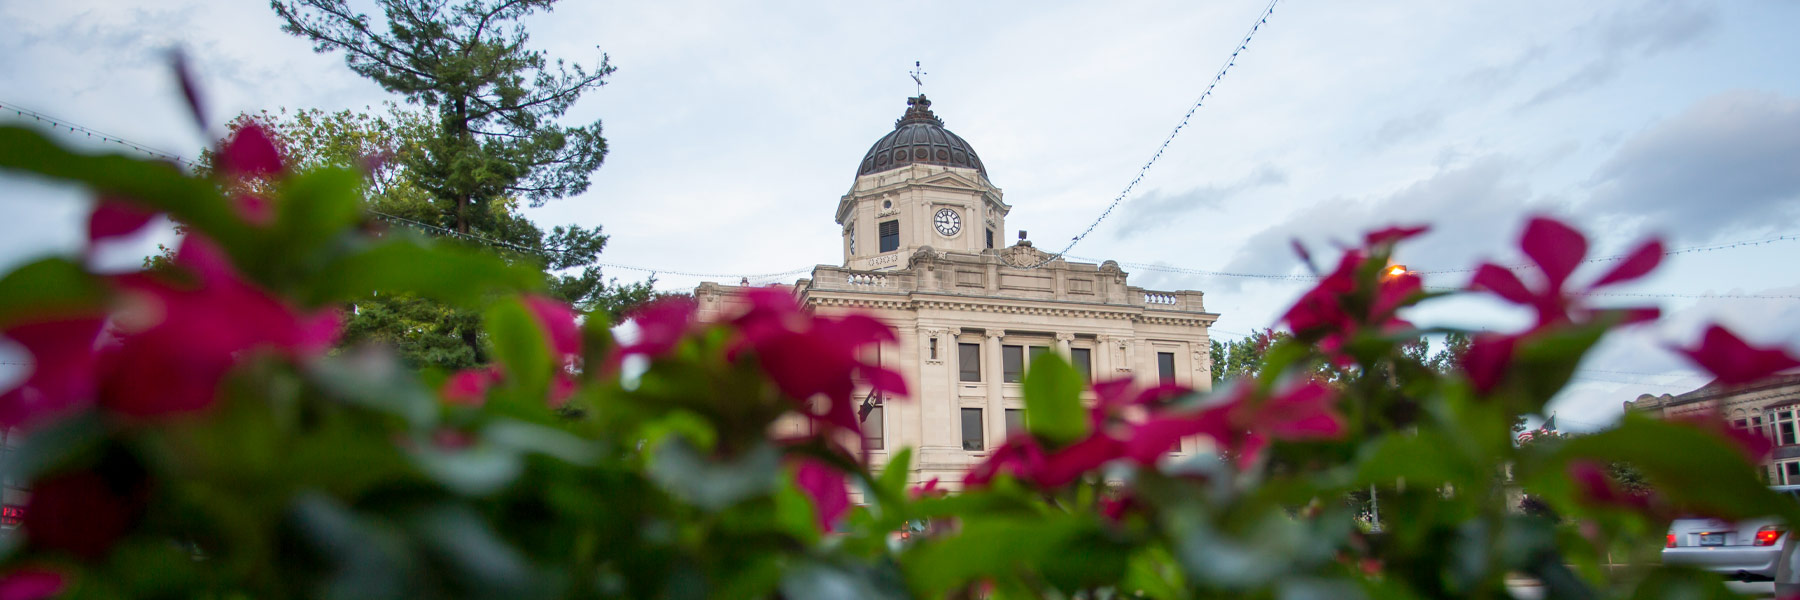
x: 919, y: 137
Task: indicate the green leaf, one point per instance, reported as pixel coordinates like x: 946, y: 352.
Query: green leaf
x: 989, y: 547
x: 376, y: 380
x: 520, y: 347
x: 458, y: 275
x: 1053, y: 408
x: 1699, y: 470
x: 318, y: 205
x: 711, y: 483
x: 48, y: 288
x: 156, y: 185
x: 476, y: 471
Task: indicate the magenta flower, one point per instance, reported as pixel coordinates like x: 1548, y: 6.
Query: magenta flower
x: 1391, y: 235
x: 469, y: 387
x: 1557, y: 249
x: 1487, y: 360
x: 250, y: 152
x: 1735, y: 362
x: 114, y: 217
x: 31, y: 584
x: 173, y: 364
x: 1595, y: 487
x: 82, y: 513
x: 807, y: 355
x: 661, y: 325
x: 1245, y: 424
x: 826, y: 486
x: 1329, y: 312
x: 560, y: 330
x: 929, y: 488
x: 61, y: 380
x: 1020, y: 455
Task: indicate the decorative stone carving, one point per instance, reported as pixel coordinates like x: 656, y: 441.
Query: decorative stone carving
x: 1023, y: 255
x: 1065, y: 337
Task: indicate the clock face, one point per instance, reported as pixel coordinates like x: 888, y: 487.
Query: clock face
x: 948, y: 223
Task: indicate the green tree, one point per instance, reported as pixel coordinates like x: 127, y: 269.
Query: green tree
x: 493, y: 102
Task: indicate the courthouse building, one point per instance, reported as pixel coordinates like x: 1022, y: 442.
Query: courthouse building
x: 1770, y: 407
x: 923, y: 234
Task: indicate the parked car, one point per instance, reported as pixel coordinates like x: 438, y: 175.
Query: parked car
x: 1747, y: 550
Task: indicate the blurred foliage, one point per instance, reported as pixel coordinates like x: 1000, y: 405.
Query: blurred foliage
x: 549, y: 473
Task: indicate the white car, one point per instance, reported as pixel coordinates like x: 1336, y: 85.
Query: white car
x: 1747, y: 550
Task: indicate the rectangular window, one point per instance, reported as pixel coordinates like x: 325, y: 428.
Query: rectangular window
x: 1790, y: 473
x: 1012, y: 364
x: 1083, y: 358
x: 934, y: 349
x: 1035, y: 352
x: 1015, y: 421
x: 990, y: 239
x: 851, y: 234
x: 1165, y: 366
x: 872, y: 427
x: 890, y: 236
x: 968, y: 359
x: 971, y: 428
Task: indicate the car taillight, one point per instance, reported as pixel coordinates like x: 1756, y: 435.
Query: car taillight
x: 1671, y: 541
x: 1768, y: 535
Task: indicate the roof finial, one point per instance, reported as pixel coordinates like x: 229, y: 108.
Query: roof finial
x: 918, y: 74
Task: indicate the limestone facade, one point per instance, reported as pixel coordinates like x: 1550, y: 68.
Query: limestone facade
x: 1770, y: 407
x: 970, y: 315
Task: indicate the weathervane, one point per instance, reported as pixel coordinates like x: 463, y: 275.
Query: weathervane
x: 918, y: 73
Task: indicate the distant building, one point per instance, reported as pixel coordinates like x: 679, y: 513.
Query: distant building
x: 1770, y: 407
x: 923, y: 251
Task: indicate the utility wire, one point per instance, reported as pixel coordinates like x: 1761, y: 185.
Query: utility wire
x: 72, y: 128
x: 1262, y: 19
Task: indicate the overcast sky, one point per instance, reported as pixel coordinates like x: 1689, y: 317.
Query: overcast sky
x: 734, y: 128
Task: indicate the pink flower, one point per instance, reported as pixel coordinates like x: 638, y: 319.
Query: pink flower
x: 174, y: 363
x: 1112, y: 397
x: 1595, y: 487
x: 808, y: 355
x: 1557, y: 249
x: 1244, y: 425
x: 929, y: 488
x: 250, y: 152
x: 1487, y: 360
x: 826, y: 486
x: 661, y: 324
x: 1735, y: 362
x: 1020, y: 455
x: 82, y: 513
x: 1390, y: 235
x: 469, y: 387
x: 1329, y: 313
x: 560, y: 329
x: 62, y: 371
x: 115, y: 217
x: 31, y: 584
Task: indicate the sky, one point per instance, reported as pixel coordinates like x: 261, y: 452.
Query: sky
x: 735, y: 127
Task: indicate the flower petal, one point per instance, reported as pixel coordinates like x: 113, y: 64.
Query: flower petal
x: 1735, y: 362
x: 114, y: 217
x: 31, y: 584
x: 1555, y: 247
x: 467, y: 387
x: 1391, y: 235
x: 1502, y: 282
x: 1637, y: 263
x: 250, y: 152
x: 826, y: 486
x: 1487, y: 360
x: 559, y: 325
x: 62, y: 372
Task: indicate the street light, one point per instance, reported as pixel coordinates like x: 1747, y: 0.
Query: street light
x: 1394, y: 271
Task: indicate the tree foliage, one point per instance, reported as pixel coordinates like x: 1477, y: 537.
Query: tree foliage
x: 493, y: 102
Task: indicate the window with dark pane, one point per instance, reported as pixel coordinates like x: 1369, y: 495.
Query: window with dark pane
x: 990, y: 238
x: 1012, y: 364
x: 1165, y: 366
x: 934, y: 349
x: 1083, y: 359
x: 872, y: 427
x: 971, y: 428
x: 968, y: 360
x: 890, y: 235
x: 1015, y: 421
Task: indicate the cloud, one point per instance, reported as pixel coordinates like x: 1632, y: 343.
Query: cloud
x: 1472, y: 209
x: 1407, y: 127
x: 1726, y: 164
x: 1154, y: 209
x: 1633, y: 33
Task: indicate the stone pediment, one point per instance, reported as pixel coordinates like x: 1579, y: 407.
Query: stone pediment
x: 1023, y: 255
